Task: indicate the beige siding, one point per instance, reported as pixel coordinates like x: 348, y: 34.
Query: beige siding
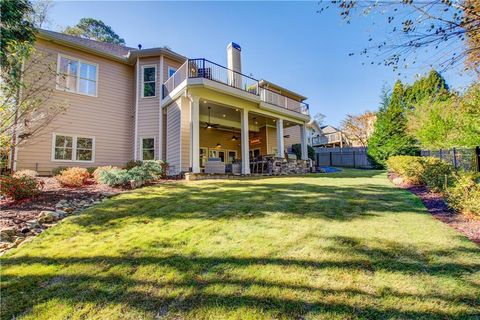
x: 294, y: 133
x: 107, y: 117
x: 167, y: 62
x: 272, y: 140
x: 173, y: 136
x: 148, y: 107
x: 185, y: 134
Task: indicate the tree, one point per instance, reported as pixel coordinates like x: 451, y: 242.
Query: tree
x: 390, y: 135
x: 40, y: 15
x: 467, y: 117
x: 358, y: 128
x: 94, y: 29
x: 447, y: 30
x: 26, y: 80
x: 319, y: 118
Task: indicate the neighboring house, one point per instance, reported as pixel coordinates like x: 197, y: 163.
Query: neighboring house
x: 292, y: 134
x: 330, y: 137
x: 126, y: 103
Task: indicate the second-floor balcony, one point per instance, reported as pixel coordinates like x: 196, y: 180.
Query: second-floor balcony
x: 203, y: 68
x: 328, y: 138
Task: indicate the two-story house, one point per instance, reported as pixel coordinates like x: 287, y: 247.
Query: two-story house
x: 126, y: 103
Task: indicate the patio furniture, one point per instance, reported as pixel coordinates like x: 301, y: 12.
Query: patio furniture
x: 214, y: 165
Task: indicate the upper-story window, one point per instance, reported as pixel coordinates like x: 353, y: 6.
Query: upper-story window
x: 171, y: 71
x: 76, y: 75
x: 149, y: 76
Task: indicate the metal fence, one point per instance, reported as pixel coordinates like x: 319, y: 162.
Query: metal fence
x: 465, y: 159
x: 343, y: 157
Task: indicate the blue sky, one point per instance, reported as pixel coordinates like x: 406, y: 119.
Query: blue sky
x: 288, y: 43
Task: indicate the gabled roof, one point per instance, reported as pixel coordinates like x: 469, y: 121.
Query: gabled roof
x: 265, y: 83
x: 108, y: 50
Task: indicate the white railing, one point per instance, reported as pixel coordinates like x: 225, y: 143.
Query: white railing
x: 175, y: 79
x: 203, y: 68
x: 327, y: 138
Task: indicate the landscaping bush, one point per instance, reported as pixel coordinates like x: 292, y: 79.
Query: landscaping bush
x: 98, y: 170
x: 18, y: 187
x: 409, y: 167
x: 91, y: 170
x: 26, y: 173
x: 133, y: 177
x: 433, y: 172
x: 57, y: 170
x: 464, y: 195
x: 114, y: 177
x: 132, y: 164
x: 437, y: 174
x: 73, y: 177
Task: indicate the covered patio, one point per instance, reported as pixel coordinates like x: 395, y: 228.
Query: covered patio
x: 235, y: 141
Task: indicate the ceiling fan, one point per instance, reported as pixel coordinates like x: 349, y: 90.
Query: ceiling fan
x: 209, y: 124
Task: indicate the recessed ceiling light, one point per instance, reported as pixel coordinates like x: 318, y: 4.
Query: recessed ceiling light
x: 256, y: 122
x: 274, y: 120
x: 236, y: 110
x: 224, y: 115
x: 204, y: 101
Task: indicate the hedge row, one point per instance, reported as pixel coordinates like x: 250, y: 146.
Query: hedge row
x: 461, y: 189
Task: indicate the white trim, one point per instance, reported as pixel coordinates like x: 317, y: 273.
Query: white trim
x: 137, y: 80
x: 160, y: 115
x: 168, y: 71
x: 80, y: 61
x: 154, y: 146
x: 74, y: 147
x: 143, y: 82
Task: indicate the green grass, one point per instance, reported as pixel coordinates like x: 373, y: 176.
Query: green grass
x: 339, y: 246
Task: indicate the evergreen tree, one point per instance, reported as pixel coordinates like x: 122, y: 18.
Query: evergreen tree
x: 390, y: 135
x: 432, y: 87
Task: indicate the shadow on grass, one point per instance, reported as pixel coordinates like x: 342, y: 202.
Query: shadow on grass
x: 199, y: 277
x: 244, y: 200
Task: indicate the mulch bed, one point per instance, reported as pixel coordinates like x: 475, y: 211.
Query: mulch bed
x: 437, y: 206
x: 16, y: 213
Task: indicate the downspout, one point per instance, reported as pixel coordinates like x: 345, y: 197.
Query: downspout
x: 137, y: 80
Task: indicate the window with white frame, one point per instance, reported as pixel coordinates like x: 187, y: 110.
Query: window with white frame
x: 76, y: 75
x: 73, y: 148
x: 149, y: 76
x: 148, y: 149
x: 171, y: 71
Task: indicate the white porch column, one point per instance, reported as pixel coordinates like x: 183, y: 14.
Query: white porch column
x: 245, y: 142
x: 280, y: 141
x: 303, y: 141
x: 195, y: 134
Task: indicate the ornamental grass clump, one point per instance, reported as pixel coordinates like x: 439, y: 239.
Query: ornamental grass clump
x: 17, y: 188
x: 73, y: 177
x: 26, y: 173
x: 98, y: 170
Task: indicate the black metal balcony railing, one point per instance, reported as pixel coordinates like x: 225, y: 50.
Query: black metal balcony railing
x: 203, y: 68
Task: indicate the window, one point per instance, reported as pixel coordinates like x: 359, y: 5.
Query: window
x: 171, y: 71
x: 75, y: 75
x: 149, y: 78
x: 73, y: 148
x: 148, y: 149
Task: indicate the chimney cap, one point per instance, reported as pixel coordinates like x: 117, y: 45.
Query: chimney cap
x: 234, y: 45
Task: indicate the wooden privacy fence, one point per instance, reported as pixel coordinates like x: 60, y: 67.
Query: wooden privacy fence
x: 460, y: 158
x: 342, y: 157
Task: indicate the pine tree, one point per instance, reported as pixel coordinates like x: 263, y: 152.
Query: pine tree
x: 390, y: 135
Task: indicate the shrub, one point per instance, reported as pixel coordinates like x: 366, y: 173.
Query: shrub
x: 133, y: 177
x: 464, y: 195
x: 73, y: 177
x: 132, y: 164
x: 114, y: 177
x: 437, y: 174
x: 91, y: 170
x: 96, y: 173
x: 409, y: 167
x: 26, y: 173
x: 57, y: 170
x: 431, y: 171
x: 18, y: 187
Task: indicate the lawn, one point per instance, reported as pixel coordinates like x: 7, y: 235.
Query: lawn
x: 339, y: 246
